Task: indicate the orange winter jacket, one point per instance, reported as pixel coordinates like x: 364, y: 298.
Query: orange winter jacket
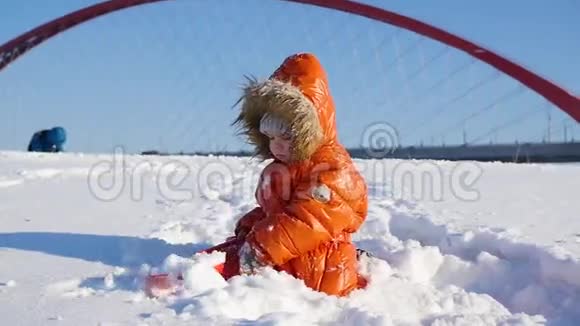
x: 309, y: 207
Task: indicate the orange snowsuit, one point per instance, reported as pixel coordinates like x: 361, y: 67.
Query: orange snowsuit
x: 309, y: 207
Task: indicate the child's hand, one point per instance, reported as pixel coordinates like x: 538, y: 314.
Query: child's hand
x: 249, y: 262
x: 274, y: 188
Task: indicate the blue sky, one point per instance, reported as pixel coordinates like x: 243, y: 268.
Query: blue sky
x: 165, y: 76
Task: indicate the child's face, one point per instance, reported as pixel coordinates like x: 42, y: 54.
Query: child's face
x: 280, y: 147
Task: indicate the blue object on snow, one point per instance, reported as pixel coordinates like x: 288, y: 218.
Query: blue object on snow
x: 48, y: 140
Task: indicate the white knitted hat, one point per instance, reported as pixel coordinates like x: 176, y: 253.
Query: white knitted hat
x: 271, y: 126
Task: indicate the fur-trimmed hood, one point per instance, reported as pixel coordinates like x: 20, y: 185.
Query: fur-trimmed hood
x: 297, y: 92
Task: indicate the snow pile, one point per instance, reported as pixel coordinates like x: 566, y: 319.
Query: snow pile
x: 277, y: 298
x: 72, y: 257
x: 524, y: 277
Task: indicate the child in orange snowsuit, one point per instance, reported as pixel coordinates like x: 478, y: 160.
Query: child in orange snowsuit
x: 310, y: 197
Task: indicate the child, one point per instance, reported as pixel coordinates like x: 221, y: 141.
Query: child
x: 310, y: 197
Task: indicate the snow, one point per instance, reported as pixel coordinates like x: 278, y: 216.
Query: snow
x: 473, y: 244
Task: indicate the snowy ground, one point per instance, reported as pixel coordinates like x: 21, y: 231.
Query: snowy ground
x: 480, y: 244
